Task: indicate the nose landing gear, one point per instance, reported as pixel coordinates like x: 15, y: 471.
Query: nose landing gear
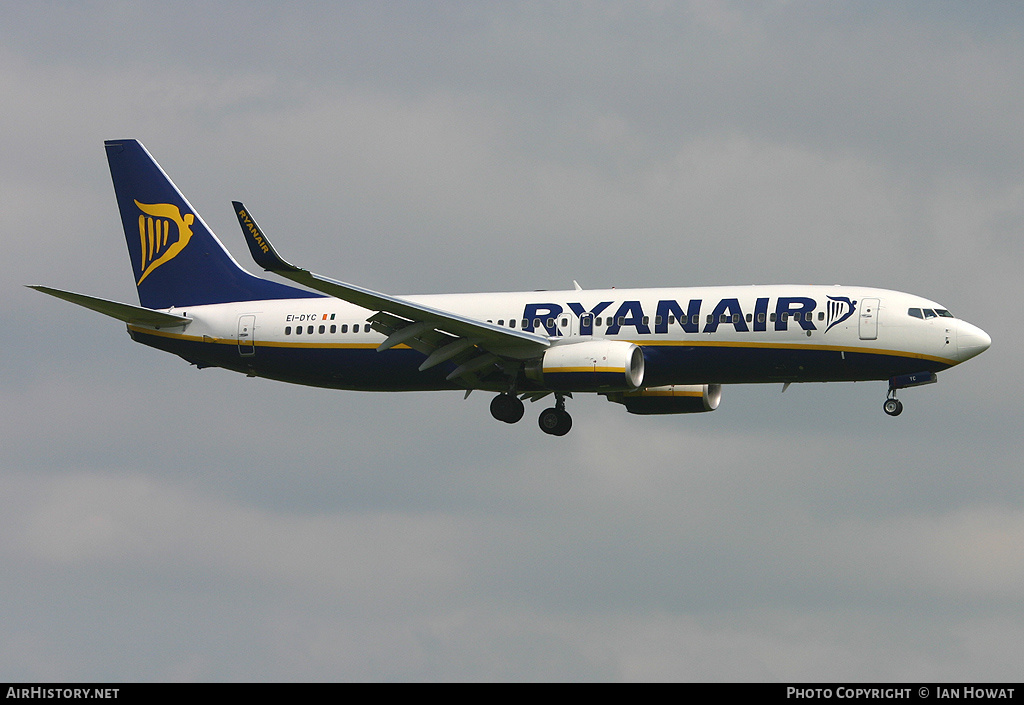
x: 893, y: 406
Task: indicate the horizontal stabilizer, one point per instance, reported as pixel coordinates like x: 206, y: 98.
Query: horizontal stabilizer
x: 136, y: 315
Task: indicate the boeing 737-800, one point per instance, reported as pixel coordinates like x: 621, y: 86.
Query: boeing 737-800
x: 655, y: 351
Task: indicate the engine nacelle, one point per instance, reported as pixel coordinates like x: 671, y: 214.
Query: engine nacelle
x: 671, y: 399
x: 591, y: 366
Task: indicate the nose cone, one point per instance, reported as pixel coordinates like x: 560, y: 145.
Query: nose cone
x: 970, y: 341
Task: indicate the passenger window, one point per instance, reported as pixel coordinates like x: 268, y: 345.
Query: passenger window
x: 501, y: 321
x: 344, y: 328
x: 322, y: 330
x: 287, y: 330
x: 309, y: 330
x: 821, y: 315
x: 646, y: 320
x: 750, y: 317
x: 657, y: 320
x: 355, y: 328
x: 915, y: 313
x: 735, y: 318
x: 334, y: 329
x: 711, y: 318
x: 760, y: 318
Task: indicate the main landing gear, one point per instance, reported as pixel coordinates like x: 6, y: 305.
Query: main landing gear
x: 555, y: 421
x: 507, y: 407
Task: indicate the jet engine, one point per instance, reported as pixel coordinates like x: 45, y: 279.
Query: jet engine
x: 670, y: 399
x: 591, y: 366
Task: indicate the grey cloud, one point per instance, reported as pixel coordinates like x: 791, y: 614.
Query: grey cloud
x: 165, y: 523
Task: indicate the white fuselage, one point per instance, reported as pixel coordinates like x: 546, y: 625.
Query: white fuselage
x: 688, y: 335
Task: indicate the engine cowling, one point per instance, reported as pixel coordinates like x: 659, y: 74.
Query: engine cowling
x: 670, y: 399
x: 591, y: 366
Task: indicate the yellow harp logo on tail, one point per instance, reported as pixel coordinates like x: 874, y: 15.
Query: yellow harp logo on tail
x: 159, y: 243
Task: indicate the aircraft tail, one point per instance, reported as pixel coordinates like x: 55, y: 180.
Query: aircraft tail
x: 177, y: 259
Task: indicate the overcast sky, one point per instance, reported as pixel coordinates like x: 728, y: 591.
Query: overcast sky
x: 163, y: 523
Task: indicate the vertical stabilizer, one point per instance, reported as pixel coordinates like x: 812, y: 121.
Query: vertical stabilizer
x: 176, y: 258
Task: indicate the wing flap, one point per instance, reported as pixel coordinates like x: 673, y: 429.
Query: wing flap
x: 438, y: 347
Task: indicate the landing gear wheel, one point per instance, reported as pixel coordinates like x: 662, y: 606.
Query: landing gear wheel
x: 893, y: 407
x: 507, y: 408
x: 556, y: 422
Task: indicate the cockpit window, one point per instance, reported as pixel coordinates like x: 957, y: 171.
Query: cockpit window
x: 929, y: 313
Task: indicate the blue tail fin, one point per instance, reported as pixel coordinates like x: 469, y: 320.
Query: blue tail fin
x: 177, y: 259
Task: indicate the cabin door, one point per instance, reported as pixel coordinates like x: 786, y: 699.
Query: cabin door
x: 869, y: 319
x: 246, y: 335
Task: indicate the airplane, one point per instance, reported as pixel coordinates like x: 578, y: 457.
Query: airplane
x: 654, y: 351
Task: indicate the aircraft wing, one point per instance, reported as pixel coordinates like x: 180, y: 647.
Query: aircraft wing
x: 136, y: 315
x: 442, y: 335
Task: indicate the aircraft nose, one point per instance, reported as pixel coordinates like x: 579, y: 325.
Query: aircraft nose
x: 971, y: 341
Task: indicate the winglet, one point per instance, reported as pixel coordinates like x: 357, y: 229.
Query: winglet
x: 262, y: 251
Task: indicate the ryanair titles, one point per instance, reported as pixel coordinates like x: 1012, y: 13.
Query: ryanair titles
x: 696, y: 317
x: 250, y: 225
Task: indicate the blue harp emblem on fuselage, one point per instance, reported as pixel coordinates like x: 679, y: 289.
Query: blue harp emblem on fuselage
x: 159, y: 240
x: 839, y: 309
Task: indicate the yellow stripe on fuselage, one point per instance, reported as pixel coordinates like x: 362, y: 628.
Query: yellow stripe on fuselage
x: 790, y: 346
x: 258, y: 343
x: 640, y: 343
